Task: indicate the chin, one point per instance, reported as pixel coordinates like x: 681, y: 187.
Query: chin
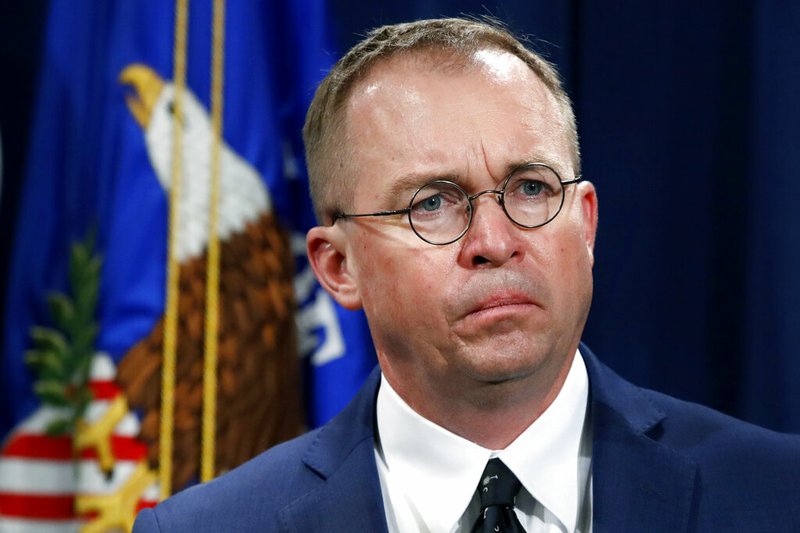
x: 513, y: 357
x: 503, y: 367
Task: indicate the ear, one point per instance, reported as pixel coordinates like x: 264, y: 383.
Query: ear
x: 588, y: 198
x: 327, y: 253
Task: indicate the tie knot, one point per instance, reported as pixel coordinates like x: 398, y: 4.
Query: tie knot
x: 498, y: 486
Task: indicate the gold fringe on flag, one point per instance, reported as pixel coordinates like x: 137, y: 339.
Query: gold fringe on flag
x: 171, y: 318
x: 207, y: 468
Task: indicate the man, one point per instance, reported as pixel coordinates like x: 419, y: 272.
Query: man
x: 445, y: 173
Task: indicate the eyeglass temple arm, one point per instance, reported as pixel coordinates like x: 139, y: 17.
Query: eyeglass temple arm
x: 337, y: 216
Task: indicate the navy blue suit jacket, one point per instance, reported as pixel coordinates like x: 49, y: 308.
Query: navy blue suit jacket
x: 658, y: 464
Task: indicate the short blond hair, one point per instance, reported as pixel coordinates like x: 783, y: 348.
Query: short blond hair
x: 325, y: 142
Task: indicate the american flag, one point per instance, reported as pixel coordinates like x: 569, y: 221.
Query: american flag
x: 43, y: 479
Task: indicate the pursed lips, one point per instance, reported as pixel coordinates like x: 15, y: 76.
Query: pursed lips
x: 500, y: 301
x: 493, y: 310
x: 489, y: 296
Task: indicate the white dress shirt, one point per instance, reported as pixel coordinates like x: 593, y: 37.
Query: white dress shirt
x: 429, y: 475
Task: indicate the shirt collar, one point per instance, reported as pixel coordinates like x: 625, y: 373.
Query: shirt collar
x: 546, y: 456
x: 439, y: 470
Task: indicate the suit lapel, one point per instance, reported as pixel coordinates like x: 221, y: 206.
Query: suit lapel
x: 346, y: 494
x: 638, y: 483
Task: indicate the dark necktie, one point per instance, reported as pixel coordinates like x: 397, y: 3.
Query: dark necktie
x: 498, y: 488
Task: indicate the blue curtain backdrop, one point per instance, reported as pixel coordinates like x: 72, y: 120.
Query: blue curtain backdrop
x: 691, y: 133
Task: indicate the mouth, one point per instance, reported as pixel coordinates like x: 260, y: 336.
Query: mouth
x: 499, y: 306
x: 502, y: 298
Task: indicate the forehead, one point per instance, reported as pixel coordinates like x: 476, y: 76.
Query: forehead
x: 442, y: 116
x: 414, y: 77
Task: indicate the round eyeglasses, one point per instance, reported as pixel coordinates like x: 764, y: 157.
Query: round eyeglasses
x: 440, y: 212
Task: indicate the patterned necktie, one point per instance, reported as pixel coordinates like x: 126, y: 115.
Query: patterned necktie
x: 498, y: 488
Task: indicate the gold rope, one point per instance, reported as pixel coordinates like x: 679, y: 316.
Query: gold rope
x: 207, y: 469
x: 171, y: 318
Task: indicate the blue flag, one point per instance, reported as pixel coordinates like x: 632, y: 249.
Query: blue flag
x: 100, y: 164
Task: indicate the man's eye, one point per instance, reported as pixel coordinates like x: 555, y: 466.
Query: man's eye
x: 437, y: 199
x: 431, y: 203
x: 532, y: 188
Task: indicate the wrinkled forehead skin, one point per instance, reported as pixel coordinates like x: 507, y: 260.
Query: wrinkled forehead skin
x: 392, y: 93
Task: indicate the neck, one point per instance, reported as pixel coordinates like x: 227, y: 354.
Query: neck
x: 491, y: 415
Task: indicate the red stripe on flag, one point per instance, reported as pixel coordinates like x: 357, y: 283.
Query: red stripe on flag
x: 104, y: 390
x: 37, y: 506
x: 123, y: 449
x: 144, y: 504
x: 39, y: 447
x: 60, y: 448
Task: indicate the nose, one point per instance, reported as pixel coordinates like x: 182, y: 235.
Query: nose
x: 492, y: 239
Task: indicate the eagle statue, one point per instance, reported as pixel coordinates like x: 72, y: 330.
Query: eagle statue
x: 258, y: 402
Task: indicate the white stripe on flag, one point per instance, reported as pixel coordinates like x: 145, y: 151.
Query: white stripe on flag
x: 37, y: 423
x: 95, y: 410
x: 18, y: 525
x: 103, y: 368
x: 128, y: 426
x: 152, y: 493
x: 26, y: 476
x: 40, y: 419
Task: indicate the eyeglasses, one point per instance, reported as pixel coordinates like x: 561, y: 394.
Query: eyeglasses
x: 440, y: 212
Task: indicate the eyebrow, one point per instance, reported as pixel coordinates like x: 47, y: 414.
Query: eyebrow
x: 405, y: 186
x: 538, y: 160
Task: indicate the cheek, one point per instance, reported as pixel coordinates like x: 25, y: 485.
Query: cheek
x: 382, y: 276
x: 577, y: 274
x: 567, y: 263
x: 404, y: 285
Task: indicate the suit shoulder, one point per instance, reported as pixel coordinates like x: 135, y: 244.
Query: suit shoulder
x: 249, y: 496
x: 691, y: 429
x: 706, y: 434
x: 735, y: 461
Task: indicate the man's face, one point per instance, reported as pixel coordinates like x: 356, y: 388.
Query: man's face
x: 503, y: 303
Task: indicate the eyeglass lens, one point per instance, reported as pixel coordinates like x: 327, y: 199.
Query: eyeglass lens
x: 441, y: 211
